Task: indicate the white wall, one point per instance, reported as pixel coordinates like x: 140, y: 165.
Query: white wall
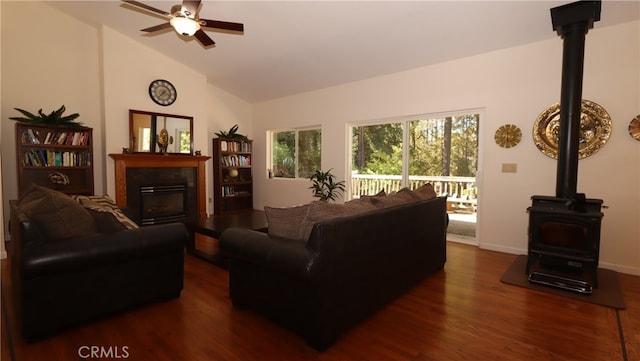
x: 513, y: 86
x: 100, y: 74
x: 128, y: 65
x: 53, y: 61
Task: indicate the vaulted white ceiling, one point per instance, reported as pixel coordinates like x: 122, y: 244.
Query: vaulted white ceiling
x: 290, y: 47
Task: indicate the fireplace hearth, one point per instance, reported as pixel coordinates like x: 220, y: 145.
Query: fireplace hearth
x: 564, y: 230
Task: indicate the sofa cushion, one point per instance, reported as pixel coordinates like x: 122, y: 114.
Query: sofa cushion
x: 58, y: 215
x: 108, y: 216
x: 285, y: 222
x: 321, y: 211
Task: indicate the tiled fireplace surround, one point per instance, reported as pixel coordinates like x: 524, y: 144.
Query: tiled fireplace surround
x: 134, y: 170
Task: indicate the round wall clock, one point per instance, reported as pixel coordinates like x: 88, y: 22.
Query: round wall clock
x: 508, y: 135
x: 162, y: 92
x: 634, y: 128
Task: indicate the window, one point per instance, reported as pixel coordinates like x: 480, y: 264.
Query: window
x: 184, y: 140
x: 144, y: 142
x: 295, y: 153
x: 445, y: 146
x: 409, y: 152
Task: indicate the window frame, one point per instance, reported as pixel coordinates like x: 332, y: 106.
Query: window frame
x: 404, y: 121
x: 271, y: 148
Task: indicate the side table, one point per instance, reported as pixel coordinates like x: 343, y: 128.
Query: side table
x: 213, y: 227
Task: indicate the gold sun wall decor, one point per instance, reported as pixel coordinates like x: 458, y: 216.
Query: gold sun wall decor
x: 634, y: 128
x: 595, y: 129
x: 508, y: 135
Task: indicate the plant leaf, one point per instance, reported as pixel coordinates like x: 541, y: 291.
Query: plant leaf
x: 54, y: 118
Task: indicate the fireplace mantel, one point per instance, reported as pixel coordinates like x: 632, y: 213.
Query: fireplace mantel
x: 144, y: 160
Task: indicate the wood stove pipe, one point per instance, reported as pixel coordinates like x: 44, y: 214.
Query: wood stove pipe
x: 572, y: 22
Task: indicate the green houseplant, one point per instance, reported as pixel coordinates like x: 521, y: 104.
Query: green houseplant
x: 324, y: 187
x: 54, y: 118
x: 231, y: 134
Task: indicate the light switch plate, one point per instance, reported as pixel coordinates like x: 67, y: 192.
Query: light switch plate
x: 509, y: 168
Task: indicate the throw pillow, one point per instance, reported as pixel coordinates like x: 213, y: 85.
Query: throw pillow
x: 106, y: 222
x: 321, y: 211
x: 367, y: 198
x: 58, y: 215
x: 105, y: 211
x: 285, y: 222
x: 403, y: 196
x: 426, y: 191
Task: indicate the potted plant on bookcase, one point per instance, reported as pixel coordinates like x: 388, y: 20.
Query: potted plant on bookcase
x: 54, y: 118
x: 231, y: 134
x: 324, y: 187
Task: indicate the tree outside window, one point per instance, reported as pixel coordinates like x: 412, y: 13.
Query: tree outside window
x: 401, y: 151
x: 184, y: 140
x: 296, y: 153
x: 444, y: 146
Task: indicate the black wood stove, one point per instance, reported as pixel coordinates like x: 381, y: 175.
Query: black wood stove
x: 564, y: 242
x: 564, y: 230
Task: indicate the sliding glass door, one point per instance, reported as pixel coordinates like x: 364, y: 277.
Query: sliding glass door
x: 409, y: 152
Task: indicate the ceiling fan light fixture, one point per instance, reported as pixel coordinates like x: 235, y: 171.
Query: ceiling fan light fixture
x: 183, y: 18
x: 184, y: 26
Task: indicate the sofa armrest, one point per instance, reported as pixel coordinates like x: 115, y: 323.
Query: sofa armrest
x: 89, y: 252
x: 286, y: 255
x: 24, y: 232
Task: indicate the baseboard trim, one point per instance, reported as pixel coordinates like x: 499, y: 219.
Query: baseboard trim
x: 518, y: 251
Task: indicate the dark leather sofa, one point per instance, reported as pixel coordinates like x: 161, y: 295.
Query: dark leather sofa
x: 349, y: 268
x: 71, y: 281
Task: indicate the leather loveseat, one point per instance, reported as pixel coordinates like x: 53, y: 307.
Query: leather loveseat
x: 58, y: 283
x: 348, y: 267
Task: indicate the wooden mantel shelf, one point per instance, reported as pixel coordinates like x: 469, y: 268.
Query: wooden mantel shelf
x: 150, y: 160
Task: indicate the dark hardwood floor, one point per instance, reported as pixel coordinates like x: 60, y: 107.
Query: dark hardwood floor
x: 461, y: 313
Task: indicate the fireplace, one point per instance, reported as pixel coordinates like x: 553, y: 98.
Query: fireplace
x: 564, y: 237
x: 134, y: 171
x: 564, y: 231
x: 163, y: 204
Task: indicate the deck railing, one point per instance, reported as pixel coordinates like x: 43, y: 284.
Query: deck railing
x: 462, y: 191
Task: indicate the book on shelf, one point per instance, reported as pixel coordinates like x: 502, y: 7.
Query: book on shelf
x: 236, y: 160
x: 50, y: 158
x: 64, y: 137
x: 235, y: 146
x: 59, y: 137
x: 30, y: 136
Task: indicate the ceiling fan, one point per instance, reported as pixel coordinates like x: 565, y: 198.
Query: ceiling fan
x: 185, y: 21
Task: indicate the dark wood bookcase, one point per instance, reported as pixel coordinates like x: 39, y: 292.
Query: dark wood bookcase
x: 232, y: 176
x: 46, y: 155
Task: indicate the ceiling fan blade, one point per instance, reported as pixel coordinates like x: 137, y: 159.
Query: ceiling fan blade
x: 147, y: 7
x: 221, y: 25
x: 203, y: 38
x: 156, y: 28
x: 191, y: 6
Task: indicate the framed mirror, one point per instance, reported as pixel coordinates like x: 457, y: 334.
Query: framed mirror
x: 149, y: 132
